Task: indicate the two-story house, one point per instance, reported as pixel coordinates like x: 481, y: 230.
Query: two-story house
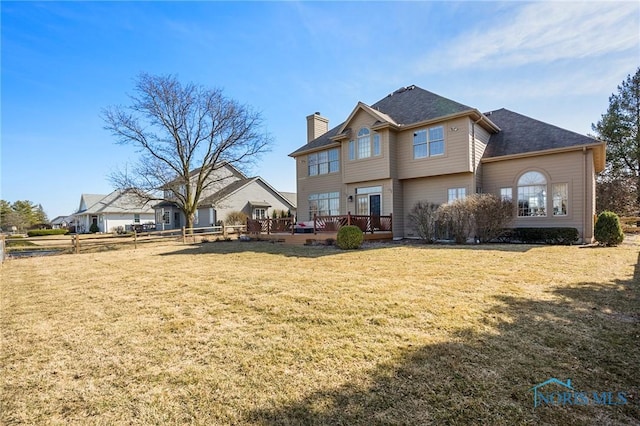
x: 227, y: 190
x: 415, y: 145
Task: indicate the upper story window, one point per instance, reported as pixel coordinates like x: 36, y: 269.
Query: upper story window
x: 428, y: 142
x: 366, y: 145
x: 376, y: 144
x: 323, y: 162
x: 532, y: 194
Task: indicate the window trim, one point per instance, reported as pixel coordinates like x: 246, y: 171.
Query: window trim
x: 429, y: 142
x: 321, y: 197
x: 459, y: 194
x: 261, y: 216
x: 363, y: 143
x: 372, y: 146
x: 530, y: 188
x: 565, y: 199
x: 331, y: 162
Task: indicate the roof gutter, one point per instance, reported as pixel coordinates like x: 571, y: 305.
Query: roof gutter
x: 315, y: 149
x: 599, y: 163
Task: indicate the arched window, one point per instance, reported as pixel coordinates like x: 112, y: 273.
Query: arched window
x: 364, y: 143
x: 532, y: 194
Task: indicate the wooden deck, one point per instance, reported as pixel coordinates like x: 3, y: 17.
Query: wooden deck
x: 319, y: 238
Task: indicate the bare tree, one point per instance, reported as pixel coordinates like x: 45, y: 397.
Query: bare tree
x: 183, y: 133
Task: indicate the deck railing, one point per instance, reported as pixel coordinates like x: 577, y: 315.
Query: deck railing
x: 320, y: 224
x: 630, y: 225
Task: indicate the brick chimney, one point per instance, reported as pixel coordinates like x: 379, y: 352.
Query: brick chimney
x: 317, y: 126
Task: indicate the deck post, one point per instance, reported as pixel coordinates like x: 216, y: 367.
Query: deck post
x: 348, y: 218
x: 391, y: 222
x: 314, y: 224
x: 268, y: 226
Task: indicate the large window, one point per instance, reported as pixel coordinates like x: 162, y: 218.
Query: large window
x: 323, y: 162
x: 428, y: 142
x: 367, y: 144
x: 532, y: 194
x: 364, y: 143
x: 324, y: 204
x: 560, y: 198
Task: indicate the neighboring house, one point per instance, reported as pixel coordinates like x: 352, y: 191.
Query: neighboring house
x: 229, y: 190
x: 119, y: 210
x: 415, y: 145
x: 61, y: 222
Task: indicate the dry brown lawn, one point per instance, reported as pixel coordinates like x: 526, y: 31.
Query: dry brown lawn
x: 260, y: 333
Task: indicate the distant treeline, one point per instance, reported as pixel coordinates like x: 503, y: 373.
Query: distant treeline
x: 21, y: 215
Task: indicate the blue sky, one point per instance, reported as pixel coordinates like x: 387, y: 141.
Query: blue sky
x: 63, y: 62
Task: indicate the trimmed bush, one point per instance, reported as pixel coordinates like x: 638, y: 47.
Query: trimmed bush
x: 608, y: 230
x: 94, y: 228
x: 555, y: 236
x: 349, y: 237
x: 45, y: 232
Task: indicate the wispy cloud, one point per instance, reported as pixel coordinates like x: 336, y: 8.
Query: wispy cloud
x: 543, y: 33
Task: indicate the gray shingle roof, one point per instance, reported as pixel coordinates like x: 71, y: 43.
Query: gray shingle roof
x: 119, y: 201
x: 521, y: 134
x: 226, y: 191
x: 405, y: 106
x: 413, y: 104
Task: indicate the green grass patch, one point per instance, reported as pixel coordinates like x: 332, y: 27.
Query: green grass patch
x: 267, y: 334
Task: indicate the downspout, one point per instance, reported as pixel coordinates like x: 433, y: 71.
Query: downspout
x: 586, y: 195
x: 473, y: 152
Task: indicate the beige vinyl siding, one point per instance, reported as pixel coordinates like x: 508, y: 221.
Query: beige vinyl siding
x: 331, y: 182
x: 396, y: 188
x: 569, y: 167
x: 456, y: 152
x: 371, y: 168
x: 481, y: 140
x: 398, y: 208
x: 431, y: 189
